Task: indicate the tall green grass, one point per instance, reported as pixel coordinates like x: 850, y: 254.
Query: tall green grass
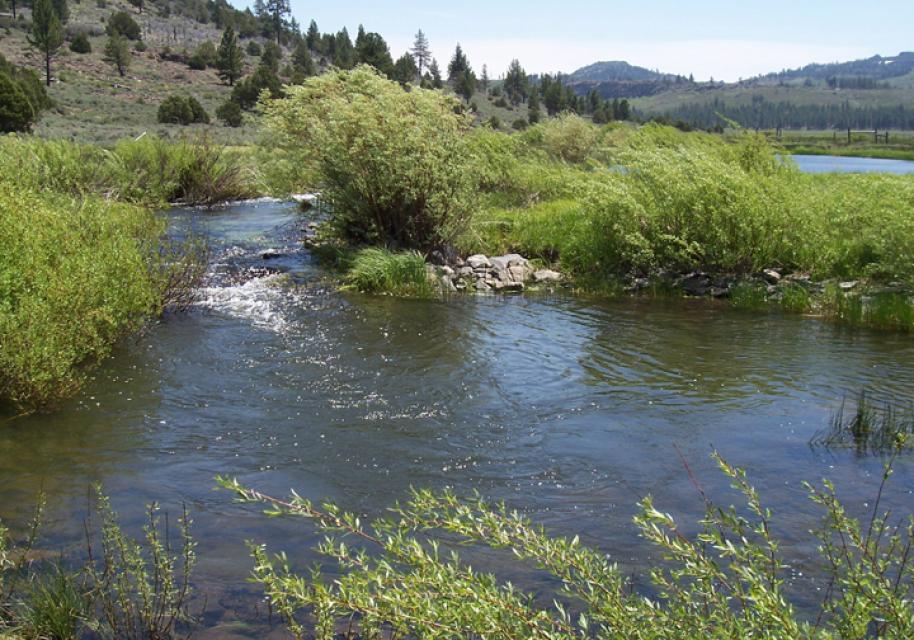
x: 660, y: 199
x: 381, y: 271
x: 146, y: 171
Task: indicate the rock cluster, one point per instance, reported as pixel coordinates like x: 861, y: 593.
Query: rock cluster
x: 482, y: 274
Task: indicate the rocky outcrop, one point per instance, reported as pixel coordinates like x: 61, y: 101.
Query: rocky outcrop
x: 497, y: 274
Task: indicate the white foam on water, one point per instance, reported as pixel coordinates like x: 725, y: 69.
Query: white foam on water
x: 258, y: 300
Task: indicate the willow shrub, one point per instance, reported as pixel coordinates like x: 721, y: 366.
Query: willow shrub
x: 394, y: 164
x: 400, y: 576
x: 375, y: 270
x: 75, y: 276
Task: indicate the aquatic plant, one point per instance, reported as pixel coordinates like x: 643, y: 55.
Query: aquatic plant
x: 869, y: 428
x: 382, y: 271
x: 400, y: 576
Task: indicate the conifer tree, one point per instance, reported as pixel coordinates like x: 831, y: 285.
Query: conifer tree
x: 484, y: 79
x: 435, y: 72
x: 117, y: 53
x: 278, y: 10
x: 62, y: 9
x: 313, y: 36
x: 517, y: 87
x: 466, y: 85
x: 459, y: 63
x: 373, y: 50
x: 302, y: 61
x: 229, y: 60
x: 46, y: 34
x: 405, y: 69
x: 421, y: 52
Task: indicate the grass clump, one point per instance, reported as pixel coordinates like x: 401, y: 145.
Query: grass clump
x: 869, y: 428
x: 394, y: 578
x: 375, y: 270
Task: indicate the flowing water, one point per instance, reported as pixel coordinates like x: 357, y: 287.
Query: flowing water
x: 568, y: 408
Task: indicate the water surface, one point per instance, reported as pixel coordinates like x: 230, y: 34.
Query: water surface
x: 570, y: 409
x: 842, y: 164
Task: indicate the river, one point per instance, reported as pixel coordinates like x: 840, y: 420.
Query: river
x: 846, y: 164
x: 568, y: 408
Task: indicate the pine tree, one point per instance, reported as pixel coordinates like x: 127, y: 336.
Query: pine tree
x: 534, y: 114
x: 373, y: 50
x: 344, y: 56
x: 484, y: 79
x: 302, y: 62
x: 46, y: 33
x: 62, y: 10
x: 278, y: 10
x: 466, y: 85
x: 458, y: 65
x: 117, y: 53
x: 435, y: 72
x: 313, y: 36
x: 422, y: 54
x: 405, y: 69
x: 516, y: 84
x: 271, y: 57
x: 229, y: 60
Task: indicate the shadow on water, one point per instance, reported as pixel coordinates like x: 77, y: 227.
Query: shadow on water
x: 570, y: 409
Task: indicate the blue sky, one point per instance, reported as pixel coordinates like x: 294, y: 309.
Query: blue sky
x: 709, y: 38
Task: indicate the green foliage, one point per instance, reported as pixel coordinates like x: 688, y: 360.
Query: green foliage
x: 46, y: 33
x: 123, y: 23
x: 16, y: 112
x: 182, y: 110
x: 74, y: 278
x: 142, y: 587
x: 371, y: 49
x: 395, y: 575
x: 405, y: 70
x: 56, y: 607
x: 395, y: 165
x: 230, y: 114
x: 117, y: 53
x: 869, y: 428
x: 382, y: 271
x: 247, y: 92
x: 567, y: 137
x: 80, y: 43
x: 254, y: 48
x: 204, y: 57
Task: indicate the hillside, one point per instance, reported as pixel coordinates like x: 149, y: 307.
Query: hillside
x: 93, y: 103
x: 619, y: 79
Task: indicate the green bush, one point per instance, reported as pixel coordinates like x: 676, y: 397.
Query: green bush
x: 122, y: 23
x: 81, y: 44
x: 401, y: 575
x: 247, y: 92
x: 382, y: 271
x: 395, y: 164
x: 205, y: 56
x: 254, y: 49
x: 74, y: 278
x: 16, y: 112
x: 182, y: 110
x: 230, y: 114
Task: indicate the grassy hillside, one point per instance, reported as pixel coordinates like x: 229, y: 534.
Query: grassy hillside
x: 93, y: 103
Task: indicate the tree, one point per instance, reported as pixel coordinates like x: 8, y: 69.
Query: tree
x: 117, y: 53
x: 458, y: 65
x: 405, y: 70
x: 46, y: 34
x: 62, y: 10
x: 80, y: 43
x: 344, y: 54
x: 484, y: 79
x: 278, y: 10
x: 374, y: 51
x: 435, y: 72
x: 421, y: 52
x: 302, y: 62
x: 516, y: 85
x: 13, y: 6
x: 230, y: 114
x: 554, y: 98
x: 16, y: 112
x: 313, y: 38
x: 271, y: 57
x: 229, y: 60
x: 139, y: 4
x: 533, y: 105
x: 121, y: 22
x: 466, y: 85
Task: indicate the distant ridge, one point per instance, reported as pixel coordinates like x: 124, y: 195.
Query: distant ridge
x: 616, y: 71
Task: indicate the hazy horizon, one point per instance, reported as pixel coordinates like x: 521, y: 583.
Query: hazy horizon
x: 711, y: 38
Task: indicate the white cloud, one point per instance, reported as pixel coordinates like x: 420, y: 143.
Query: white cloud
x: 719, y: 58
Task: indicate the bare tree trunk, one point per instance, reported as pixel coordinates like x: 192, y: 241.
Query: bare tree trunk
x: 47, y: 67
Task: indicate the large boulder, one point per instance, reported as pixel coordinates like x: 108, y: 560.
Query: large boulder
x: 479, y: 261
x: 546, y: 276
